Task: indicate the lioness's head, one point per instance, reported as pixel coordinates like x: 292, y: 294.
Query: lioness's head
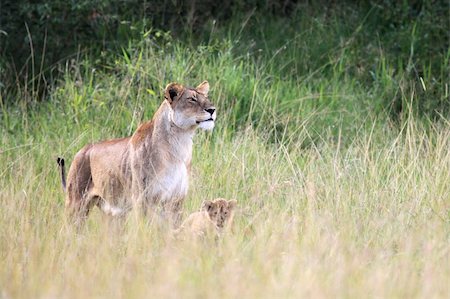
x: 191, y: 106
x: 221, y: 211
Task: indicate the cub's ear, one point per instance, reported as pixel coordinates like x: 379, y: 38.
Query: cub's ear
x: 203, y: 88
x: 207, y: 205
x: 172, y: 91
x: 232, y: 204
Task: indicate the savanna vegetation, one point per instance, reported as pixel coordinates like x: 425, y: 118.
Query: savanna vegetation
x: 333, y: 134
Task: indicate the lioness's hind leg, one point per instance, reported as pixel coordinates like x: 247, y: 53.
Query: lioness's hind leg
x: 78, y: 210
x: 76, y: 213
x: 79, y: 188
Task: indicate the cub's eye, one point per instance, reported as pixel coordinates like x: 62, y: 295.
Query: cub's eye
x: 193, y: 100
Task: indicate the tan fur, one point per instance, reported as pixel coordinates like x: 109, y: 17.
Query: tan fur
x: 214, y: 217
x: 198, y: 224
x: 147, y: 169
x: 225, y: 213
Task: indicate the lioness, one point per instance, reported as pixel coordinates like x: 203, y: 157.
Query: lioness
x: 144, y: 170
x: 213, y: 218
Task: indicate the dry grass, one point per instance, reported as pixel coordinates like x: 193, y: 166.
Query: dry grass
x: 368, y: 220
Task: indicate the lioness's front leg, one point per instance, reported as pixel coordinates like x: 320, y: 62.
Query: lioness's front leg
x: 173, y: 211
x: 140, y: 205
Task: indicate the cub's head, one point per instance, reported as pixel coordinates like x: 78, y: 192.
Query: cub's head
x: 191, y: 106
x: 221, y: 211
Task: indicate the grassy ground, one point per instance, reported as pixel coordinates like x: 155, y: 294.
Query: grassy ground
x: 335, y: 198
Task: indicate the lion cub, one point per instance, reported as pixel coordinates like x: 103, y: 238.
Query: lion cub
x: 213, y: 218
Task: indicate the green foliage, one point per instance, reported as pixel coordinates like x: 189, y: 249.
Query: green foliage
x: 343, y: 61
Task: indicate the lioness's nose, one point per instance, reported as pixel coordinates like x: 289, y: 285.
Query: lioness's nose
x: 210, y: 110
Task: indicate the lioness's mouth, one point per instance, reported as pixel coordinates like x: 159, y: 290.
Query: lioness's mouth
x: 202, y: 121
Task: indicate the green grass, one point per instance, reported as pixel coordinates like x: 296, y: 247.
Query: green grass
x: 336, y: 198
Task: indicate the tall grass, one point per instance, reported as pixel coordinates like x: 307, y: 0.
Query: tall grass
x: 335, y: 198
x: 369, y: 220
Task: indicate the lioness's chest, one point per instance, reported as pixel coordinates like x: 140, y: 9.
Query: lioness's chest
x: 172, y: 183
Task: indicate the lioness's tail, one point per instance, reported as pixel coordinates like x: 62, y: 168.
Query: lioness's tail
x: 60, y: 162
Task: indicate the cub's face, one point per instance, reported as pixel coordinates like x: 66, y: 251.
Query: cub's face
x: 191, y: 106
x: 220, y: 211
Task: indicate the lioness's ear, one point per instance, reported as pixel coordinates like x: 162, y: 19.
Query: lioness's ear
x: 206, y: 205
x: 232, y: 204
x: 203, y: 88
x: 172, y: 91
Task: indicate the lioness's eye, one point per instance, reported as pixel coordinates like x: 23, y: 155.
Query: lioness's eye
x: 192, y: 100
